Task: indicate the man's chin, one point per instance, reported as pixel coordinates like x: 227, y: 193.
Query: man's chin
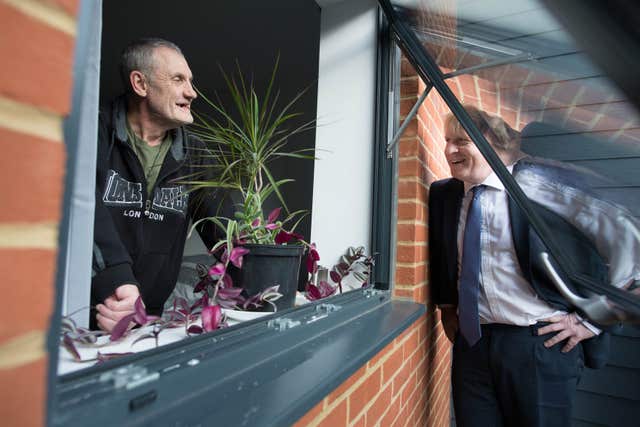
x: 183, y: 119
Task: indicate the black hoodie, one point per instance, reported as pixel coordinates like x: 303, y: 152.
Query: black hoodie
x: 139, y: 237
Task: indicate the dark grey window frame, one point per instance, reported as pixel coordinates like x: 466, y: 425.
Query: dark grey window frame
x: 230, y: 377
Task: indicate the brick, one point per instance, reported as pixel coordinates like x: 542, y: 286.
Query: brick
x: 310, y: 416
x: 402, y: 378
x: 379, y: 406
x: 402, y: 293
x: 375, y: 360
x: 410, y: 275
x: 411, y: 188
x: 411, y: 344
x: 411, y: 210
x: 23, y: 394
x: 415, y: 358
x: 339, y: 392
x: 336, y: 417
x: 36, y: 174
x: 415, y: 253
x: 410, y: 395
x: 360, y: 422
x: 27, y: 296
x: 406, y: 69
x: 391, y: 365
x: 595, y: 90
x: 363, y: 394
x: 391, y: 414
x: 406, y: 105
x: 412, y: 167
x: 412, y: 232
x: 409, y: 86
x: 69, y: 6
x: 468, y: 86
x: 489, y: 102
x: 509, y: 116
x: 411, y: 130
x: 409, y: 148
x: 28, y: 42
x: 565, y: 93
x: 610, y: 123
x: 402, y: 417
x: 514, y: 76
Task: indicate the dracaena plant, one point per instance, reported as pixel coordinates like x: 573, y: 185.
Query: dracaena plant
x: 241, y: 142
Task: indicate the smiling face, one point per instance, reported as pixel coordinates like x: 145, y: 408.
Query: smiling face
x: 465, y: 160
x: 170, y: 90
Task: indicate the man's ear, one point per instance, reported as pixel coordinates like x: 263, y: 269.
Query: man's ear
x: 138, y: 83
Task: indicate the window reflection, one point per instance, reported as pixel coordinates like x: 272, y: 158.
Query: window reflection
x: 516, y: 62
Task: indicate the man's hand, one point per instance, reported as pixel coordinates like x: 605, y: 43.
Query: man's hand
x: 449, y: 322
x: 567, y: 326
x: 116, y: 306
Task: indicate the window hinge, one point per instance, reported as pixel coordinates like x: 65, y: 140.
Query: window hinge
x: 130, y: 376
x: 282, y: 324
x: 327, y: 308
x: 371, y: 292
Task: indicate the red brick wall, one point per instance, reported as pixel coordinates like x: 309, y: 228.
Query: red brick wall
x: 35, y: 91
x: 405, y: 384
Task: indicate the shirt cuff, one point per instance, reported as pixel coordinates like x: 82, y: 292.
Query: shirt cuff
x: 588, y: 325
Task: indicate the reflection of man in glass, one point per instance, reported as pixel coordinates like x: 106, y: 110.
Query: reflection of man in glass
x: 519, y: 348
x: 142, y: 210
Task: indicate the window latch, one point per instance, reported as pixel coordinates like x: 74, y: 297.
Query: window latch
x: 282, y: 324
x: 129, y: 377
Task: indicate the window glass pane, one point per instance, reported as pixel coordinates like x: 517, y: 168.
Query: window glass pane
x: 578, y: 136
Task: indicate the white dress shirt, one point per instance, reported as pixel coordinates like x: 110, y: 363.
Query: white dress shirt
x: 505, y: 295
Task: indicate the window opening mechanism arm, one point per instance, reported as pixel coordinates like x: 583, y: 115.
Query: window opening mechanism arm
x: 490, y: 64
x: 405, y: 123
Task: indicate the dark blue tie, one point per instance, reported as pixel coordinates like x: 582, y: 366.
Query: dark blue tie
x: 470, y: 272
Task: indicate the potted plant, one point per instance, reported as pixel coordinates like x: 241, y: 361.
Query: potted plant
x: 242, y: 141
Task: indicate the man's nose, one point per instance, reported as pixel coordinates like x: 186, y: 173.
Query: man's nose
x: 190, y: 92
x: 449, y: 148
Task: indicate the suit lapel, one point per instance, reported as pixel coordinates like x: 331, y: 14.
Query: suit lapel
x: 451, y: 218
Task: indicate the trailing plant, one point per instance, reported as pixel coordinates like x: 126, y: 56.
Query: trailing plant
x: 71, y: 335
x: 216, y: 283
x: 355, y: 263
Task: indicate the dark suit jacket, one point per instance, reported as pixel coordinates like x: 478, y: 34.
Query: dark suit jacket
x: 445, y: 199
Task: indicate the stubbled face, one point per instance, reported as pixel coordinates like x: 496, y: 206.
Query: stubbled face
x: 465, y: 160
x: 170, y: 90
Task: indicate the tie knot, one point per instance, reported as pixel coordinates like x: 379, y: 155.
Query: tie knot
x: 477, y: 190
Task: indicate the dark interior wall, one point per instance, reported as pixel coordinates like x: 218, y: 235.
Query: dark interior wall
x: 252, y: 32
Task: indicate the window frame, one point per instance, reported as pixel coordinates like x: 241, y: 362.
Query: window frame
x: 111, y: 392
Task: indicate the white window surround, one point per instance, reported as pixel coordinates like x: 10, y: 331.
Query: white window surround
x: 345, y: 133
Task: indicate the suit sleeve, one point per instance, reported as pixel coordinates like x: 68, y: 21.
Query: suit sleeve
x: 112, y: 264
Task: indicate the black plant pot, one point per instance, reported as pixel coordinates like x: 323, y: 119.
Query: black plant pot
x: 270, y: 265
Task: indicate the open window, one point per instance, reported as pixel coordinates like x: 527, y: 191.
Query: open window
x: 337, y: 49
x: 518, y: 62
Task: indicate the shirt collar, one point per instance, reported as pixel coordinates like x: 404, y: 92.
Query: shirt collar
x: 491, y: 181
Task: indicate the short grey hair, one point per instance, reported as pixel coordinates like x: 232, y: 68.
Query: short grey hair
x: 138, y: 56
